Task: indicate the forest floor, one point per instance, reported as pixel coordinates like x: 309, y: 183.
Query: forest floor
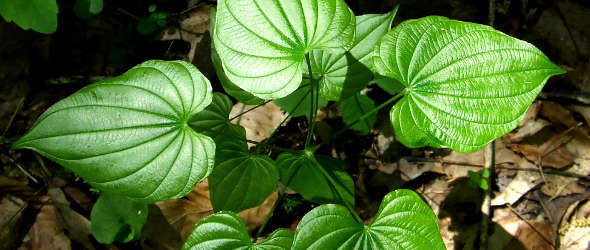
x: 539, y: 194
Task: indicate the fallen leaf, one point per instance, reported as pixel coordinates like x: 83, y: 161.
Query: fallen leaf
x: 157, y: 233
x: 575, y: 233
x: 183, y: 214
x: 411, y: 170
x: 558, y: 114
x: 193, y: 28
x: 260, y: 122
x: 48, y: 232
x: 77, y: 226
x: 528, y: 129
x: 513, y: 233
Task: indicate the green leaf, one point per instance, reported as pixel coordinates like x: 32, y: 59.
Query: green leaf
x: 129, y: 134
x: 213, y: 120
x: 356, y: 106
x: 343, y: 74
x: 315, y: 177
x: 298, y: 103
x: 229, y: 87
x: 388, y: 84
x: 262, y: 44
x: 403, y: 221
x: 87, y: 8
x: 225, y: 230
x: 39, y: 15
x: 116, y: 218
x: 466, y: 83
x: 243, y: 182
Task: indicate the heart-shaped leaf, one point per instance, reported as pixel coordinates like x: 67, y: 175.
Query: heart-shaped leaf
x: 229, y: 87
x: 319, y: 178
x: 116, y: 218
x: 39, y: 15
x: 262, y: 43
x: 466, y: 84
x: 356, y: 106
x: 225, y: 230
x: 214, y: 118
x: 213, y: 121
x: 403, y: 221
x: 341, y: 75
x: 243, y: 182
x: 129, y: 134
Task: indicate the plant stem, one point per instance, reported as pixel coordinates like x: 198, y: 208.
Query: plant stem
x: 313, y: 108
x: 274, y: 206
x: 248, y: 110
x: 363, y: 117
x: 331, y: 182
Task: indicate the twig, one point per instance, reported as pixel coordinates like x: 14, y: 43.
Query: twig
x: 530, y: 225
x: 500, y: 166
x: 18, y: 107
x: 490, y: 162
x: 248, y: 110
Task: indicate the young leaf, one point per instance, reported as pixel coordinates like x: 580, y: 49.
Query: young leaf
x: 343, y: 74
x: 298, y: 103
x: 225, y: 230
x: 242, y: 182
x: 213, y: 121
x: 116, y: 218
x: 39, y: 15
x: 403, y: 221
x: 229, y: 87
x: 214, y: 118
x: 129, y: 134
x: 356, y: 106
x: 262, y: 44
x: 87, y: 8
x: 316, y: 177
x: 466, y: 84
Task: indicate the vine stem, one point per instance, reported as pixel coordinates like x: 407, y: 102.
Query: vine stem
x: 313, y: 101
x: 362, y: 118
x: 274, y: 206
x: 331, y: 182
x: 250, y: 109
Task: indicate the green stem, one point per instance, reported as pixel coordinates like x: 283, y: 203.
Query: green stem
x: 313, y: 101
x: 363, y: 117
x: 289, y: 114
x: 274, y: 206
x: 248, y: 110
x: 331, y: 182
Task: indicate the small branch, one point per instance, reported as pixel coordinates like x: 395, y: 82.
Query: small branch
x: 248, y: 110
x: 530, y: 225
x: 313, y: 108
x: 18, y: 107
x: 490, y: 162
x: 363, y: 117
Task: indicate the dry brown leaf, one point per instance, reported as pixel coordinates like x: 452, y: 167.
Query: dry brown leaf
x: 575, y: 233
x: 77, y: 226
x: 558, y: 114
x: 260, y: 122
x: 522, y: 183
x: 528, y: 129
x: 48, y: 232
x: 411, y: 170
x: 513, y: 233
x: 552, y: 153
x: 183, y: 214
x: 157, y: 233
x: 12, y: 217
x: 193, y: 27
